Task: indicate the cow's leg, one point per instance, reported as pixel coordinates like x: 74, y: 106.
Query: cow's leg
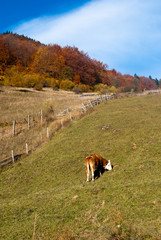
x: 87, y: 177
x: 92, y: 174
x: 88, y: 173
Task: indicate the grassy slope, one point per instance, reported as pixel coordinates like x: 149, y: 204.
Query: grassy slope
x: 18, y: 103
x: 46, y: 182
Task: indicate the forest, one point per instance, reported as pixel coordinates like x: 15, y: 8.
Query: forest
x: 25, y: 62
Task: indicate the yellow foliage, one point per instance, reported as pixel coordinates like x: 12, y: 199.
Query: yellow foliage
x: 54, y: 83
x: 112, y: 89
x: 100, y: 87
x: 83, y: 87
x: 67, y: 85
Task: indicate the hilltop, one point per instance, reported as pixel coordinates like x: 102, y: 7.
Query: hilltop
x: 25, y: 62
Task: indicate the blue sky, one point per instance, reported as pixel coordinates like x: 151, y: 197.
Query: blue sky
x: 125, y: 34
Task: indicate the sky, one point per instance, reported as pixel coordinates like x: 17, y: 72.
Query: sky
x: 124, y: 34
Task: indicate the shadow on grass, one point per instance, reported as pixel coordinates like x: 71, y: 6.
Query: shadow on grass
x: 97, y: 173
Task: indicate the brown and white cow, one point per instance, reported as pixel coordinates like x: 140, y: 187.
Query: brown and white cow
x: 97, y: 163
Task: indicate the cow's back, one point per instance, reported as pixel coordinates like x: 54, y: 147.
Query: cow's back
x: 94, y: 162
x: 100, y: 160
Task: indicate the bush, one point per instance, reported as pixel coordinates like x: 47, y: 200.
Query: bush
x: 83, y: 87
x: 129, y: 87
x: 112, y: 89
x: 77, y: 90
x: 67, y: 85
x: 38, y: 86
x: 2, y: 80
x: 101, y: 88
x: 13, y: 77
x: 31, y: 80
x: 54, y: 83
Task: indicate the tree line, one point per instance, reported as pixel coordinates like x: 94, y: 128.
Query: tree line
x: 25, y: 62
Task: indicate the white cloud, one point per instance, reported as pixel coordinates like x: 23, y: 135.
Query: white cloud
x: 113, y: 31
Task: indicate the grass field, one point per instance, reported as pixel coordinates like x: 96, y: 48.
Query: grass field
x: 18, y: 103
x: 46, y: 196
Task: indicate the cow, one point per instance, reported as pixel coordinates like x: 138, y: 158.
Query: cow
x: 97, y: 163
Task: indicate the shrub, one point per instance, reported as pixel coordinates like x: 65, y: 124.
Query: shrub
x: 49, y: 114
x: 77, y: 90
x: 83, y: 87
x: 67, y: 85
x: 2, y: 80
x: 31, y: 80
x: 13, y: 77
x: 112, y: 89
x: 38, y: 86
x: 129, y: 87
x: 101, y: 88
x: 54, y: 83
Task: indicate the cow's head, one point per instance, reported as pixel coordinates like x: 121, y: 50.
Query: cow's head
x: 108, y: 166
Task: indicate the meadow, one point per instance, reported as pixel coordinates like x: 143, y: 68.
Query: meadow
x: 17, y: 103
x: 46, y: 196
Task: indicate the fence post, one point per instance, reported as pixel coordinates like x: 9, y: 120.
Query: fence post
x: 13, y: 159
x: 14, y: 127
x: 84, y: 107
x: 28, y: 121
x: 90, y: 103
x: 27, y: 149
x: 70, y: 116
x: 47, y: 132
x: 41, y: 116
x: 62, y: 123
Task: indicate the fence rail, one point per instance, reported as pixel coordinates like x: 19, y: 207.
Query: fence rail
x: 83, y: 109
x: 40, y: 118
x: 32, y: 120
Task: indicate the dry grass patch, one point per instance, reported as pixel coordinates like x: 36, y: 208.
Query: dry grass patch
x: 18, y: 103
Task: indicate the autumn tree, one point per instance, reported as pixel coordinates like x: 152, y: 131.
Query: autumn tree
x: 76, y: 79
x: 111, y: 75
x: 147, y: 83
x: 66, y: 73
x: 156, y: 82
x: 160, y: 83
x: 4, y: 55
x: 20, y: 49
x: 25, y: 62
x: 81, y: 64
x: 13, y: 77
x: 47, y: 63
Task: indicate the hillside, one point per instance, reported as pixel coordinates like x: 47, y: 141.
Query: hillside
x: 48, y: 189
x: 17, y: 104
x: 27, y: 63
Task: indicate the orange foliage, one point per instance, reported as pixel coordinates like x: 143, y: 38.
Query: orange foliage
x: 76, y: 79
x: 4, y: 55
x: 25, y: 62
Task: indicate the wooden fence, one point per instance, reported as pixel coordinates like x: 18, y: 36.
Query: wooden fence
x: 90, y: 104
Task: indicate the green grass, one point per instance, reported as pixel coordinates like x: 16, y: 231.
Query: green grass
x: 51, y: 183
